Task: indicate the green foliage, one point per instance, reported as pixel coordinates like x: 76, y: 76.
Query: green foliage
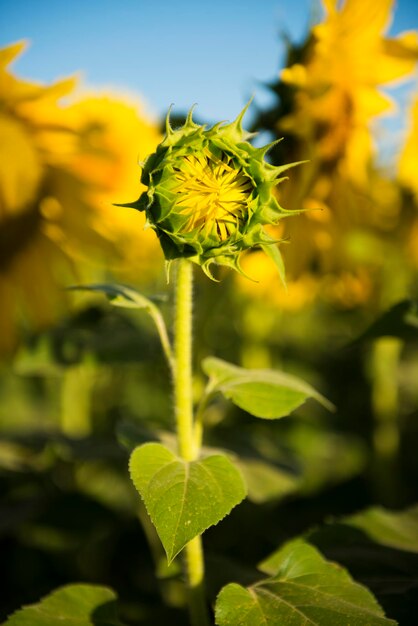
x: 304, y: 589
x: 125, y: 297
x: 394, y: 529
x: 379, y: 548
x: 325, y: 457
x: 74, y: 605
x: 267, y: 394
x: 266, y: 482
x: 184, y: 499
x: 293, y: 468
x: 119, y: 295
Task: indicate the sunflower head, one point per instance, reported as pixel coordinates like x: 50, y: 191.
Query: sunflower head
x: 209, y: 193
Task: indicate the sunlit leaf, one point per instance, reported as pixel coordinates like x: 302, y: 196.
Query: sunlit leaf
x: 184, y: 498
x: 74, y: 605
x: 264, y: 393
x: 304, y: 590
x: 265, y: 481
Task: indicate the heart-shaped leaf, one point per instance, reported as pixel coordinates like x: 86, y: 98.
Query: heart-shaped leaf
x: 306, y: 590
x: 184, y: 498
x: 264, y: 393
x: 74, y: 605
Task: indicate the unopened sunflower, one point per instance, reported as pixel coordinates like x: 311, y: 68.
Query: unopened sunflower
x: 210, y: 193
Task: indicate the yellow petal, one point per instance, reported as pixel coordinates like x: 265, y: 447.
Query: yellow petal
x: 21, y: 167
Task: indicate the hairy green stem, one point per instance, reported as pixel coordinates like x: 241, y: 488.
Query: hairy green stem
x: 183, y: 392
x: 188, y: 450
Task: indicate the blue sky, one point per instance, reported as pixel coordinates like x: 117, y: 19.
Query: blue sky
x: 213, y: 52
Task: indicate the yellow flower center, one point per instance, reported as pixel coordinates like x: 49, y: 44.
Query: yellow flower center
x: 213, y: 193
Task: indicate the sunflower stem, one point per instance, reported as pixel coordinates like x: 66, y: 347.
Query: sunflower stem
x: 187, y: 446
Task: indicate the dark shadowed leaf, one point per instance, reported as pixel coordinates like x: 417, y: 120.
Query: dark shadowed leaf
x: 74, y: 605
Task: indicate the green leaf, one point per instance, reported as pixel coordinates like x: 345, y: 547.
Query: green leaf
x: 368, y: 550
x: 393, y: 529
x: 119, y: 295
x: 74, y: 605
x: 274, y: 253
x: 305, y: 590
x: 325, y: 457
x: 265, y: 481
x: 267, y: 394
x: 184, y: 498
x: 122, y: 296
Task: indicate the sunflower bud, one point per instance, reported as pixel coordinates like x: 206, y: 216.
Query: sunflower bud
x: 209, y: 194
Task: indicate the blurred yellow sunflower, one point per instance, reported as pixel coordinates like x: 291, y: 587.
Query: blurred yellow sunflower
x: 408, y: 161
x: 114, y: 136
x: 61, y: 167
x: 407, y: 173
x: 328, y: 100
x: 337, y: 87
x: 268, y: 288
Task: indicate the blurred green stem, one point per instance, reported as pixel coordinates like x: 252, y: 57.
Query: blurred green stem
x: 385, y: 403
x: 188, y: 449
x: 75, y: 410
